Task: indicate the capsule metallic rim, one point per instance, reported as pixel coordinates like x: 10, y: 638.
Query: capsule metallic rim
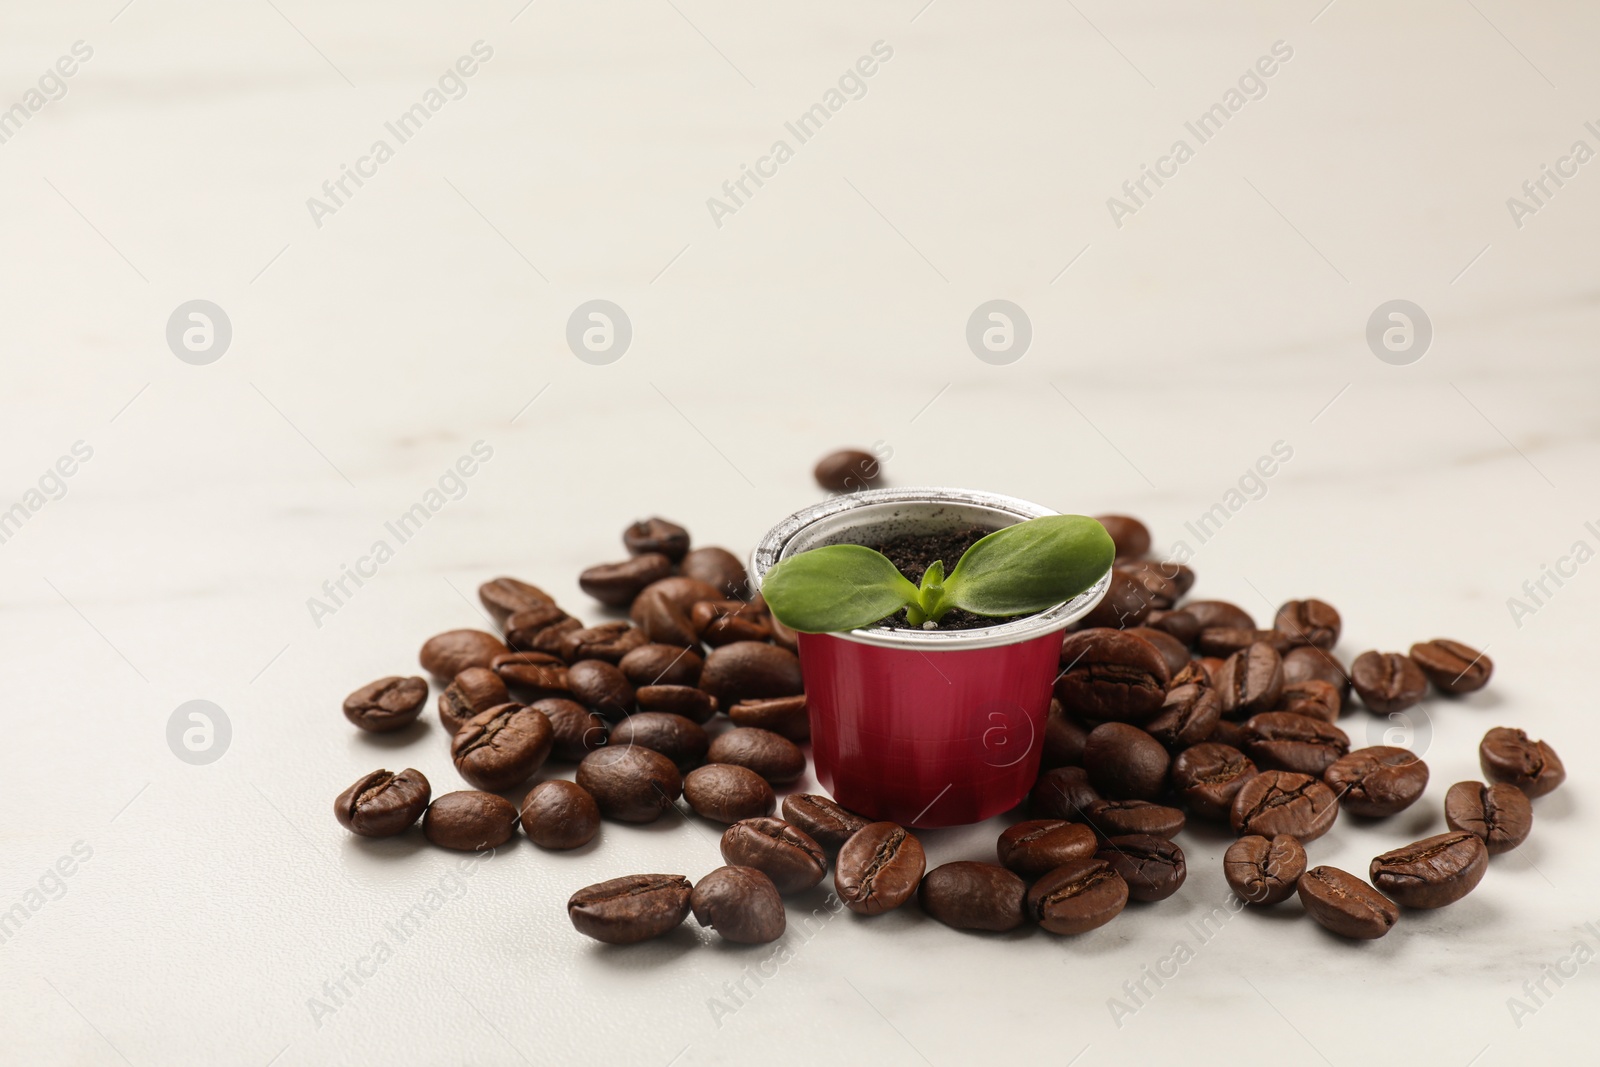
x: 772, y: 547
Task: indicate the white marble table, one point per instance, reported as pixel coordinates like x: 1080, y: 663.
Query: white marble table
x: 376, y: 338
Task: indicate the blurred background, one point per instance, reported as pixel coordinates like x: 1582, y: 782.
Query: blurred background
x: 272, y: 267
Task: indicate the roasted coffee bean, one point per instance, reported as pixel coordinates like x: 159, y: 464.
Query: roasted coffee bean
x: 1309, y: 663
x: 1063, y: 739
x: 1500, y: 814
x: 1195, y: 672
x: 828, y: 823
x: 1511, y: 756
x: 552, y: 640
x: 775, y: 758
x: 475, y: 689
x: 1036, y: 846
x: 782, y: 852
x: 661, y: 665
x: 847, y: 470
x: 448, y: 654
x: 782, y: 636
x: 1309, y: 622
x: 1124, y: 762
x: 1110, y: 674
x: 878, y: 868
x: 1077, y: 897
x: 625, y: 911
x: 470, y: 821
x: 1179, y: 624
x: 1312, y: 697
x: 387, y: 704
x: 1451, y: 666
x: 559, y: 815
x: 1153, y: 867
x: 575, y: 731
x: 1387, y: 681
x: 1209, y: 775
x: 540, y: 629
x: 1182, y: 574
x: 1264, y: 872
x: 662, y: 610
x: 1188, y: 716
x: 717, y: 567
x: 1284, y: 802
x: 502, y: 747
x: 1224, y: 641
x: 531, y: 672
x: 1377, y: 782
x: 1344, y: 904
x: 601, y: 686
x: 1172, y: 650
x: 1433, y: 872
x: 725, y: 793
x: 973, y: 896
x: 1220, y: 613
x: 630, y: 783
x: 504, y: 597
x: 1118, y: 818
x: 1166, y: 580
x: 680, y: 740
x: 1160, y: 590
x: 1250, y: 681
x: 1126, y: 604
x: 722, y: 622
x: 616, y: 584
x: 693, y: 704
x: 1229, y: 733
x: 784, y: 716
x: 656, y: 535
x: 1131, y: 536
x: 1283, y: 741
x: 383, y: 803
x: 1062, y: 793
x: 609, y: 641
x: 749, y: 670
x: 739, y: 903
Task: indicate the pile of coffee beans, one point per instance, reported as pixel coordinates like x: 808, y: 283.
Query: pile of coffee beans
x: 629, y: 702
x: 1169, y: 708
x: 1165, y: 709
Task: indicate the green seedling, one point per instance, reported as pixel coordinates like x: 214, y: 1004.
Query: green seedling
x: 1017, y: 570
